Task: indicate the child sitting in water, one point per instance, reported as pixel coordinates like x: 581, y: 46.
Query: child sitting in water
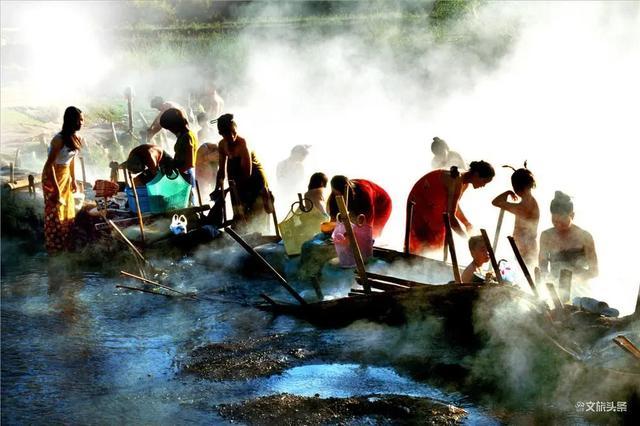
x: 473, y: 273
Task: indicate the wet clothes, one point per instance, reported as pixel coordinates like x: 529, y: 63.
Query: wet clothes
x: 368, y: 199
x: 430, y: 195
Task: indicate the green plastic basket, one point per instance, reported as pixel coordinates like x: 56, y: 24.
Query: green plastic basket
x: 167, y: 193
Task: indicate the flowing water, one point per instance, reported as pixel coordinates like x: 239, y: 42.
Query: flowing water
x: 77, y: 350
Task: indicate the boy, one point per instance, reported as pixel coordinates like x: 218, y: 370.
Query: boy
x: 473, y: 273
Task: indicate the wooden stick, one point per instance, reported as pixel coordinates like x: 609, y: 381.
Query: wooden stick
x: 407, y: 227
x: 492, y: 255
x: 12, y: 177
x: 126, y: 240
x: 626, y: 344
x: 144, y: 290
x: 262, y: 260
x: 523, y: 265
x: 555, y: 298
x: 273, y: 214
x: 268, y: 299
x: 537, y: 276
x: 17, y: 157
x: 113, y: 132
x: 380, y: 285
x: 357, y: 254
x: 129, y: 93
x: 135, y: 196
x: 445, y: 252
x: 394, y: 280
x: 157, y: 284
x: 198, y: 192
x: 84, y: 173
x: 496, y: 236
x: 636, y: 313
x: 565, y: 285
x: 452, y: 248
x: 144, y: 120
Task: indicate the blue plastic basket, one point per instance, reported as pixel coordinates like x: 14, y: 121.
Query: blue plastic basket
x: 143, y: 199
x: 167, y: 194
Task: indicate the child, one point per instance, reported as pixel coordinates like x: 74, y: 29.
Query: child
x: 525, y: 230
x: 473, y: 273
x: 317, y: 184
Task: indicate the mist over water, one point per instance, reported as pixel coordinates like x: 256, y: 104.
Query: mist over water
x: 553, y: 83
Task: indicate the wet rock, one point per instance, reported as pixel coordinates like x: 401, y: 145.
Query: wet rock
x: 286, y: 409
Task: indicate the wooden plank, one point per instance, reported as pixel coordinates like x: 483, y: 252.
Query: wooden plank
x: 629, y: 347
x: 381, y: 285
x: 555, y: 298
x: 357, y: 254
x: 407, y: 226
x: 565, y: 285
x: 395, y: 280
x: 496, y: 236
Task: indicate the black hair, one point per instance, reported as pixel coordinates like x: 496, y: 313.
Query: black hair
x: 174, y: 120
x: 561, y: 204
x: 482, y: 169
x: 70, y: 124
x: 318, y: 180
x: 225, y: 123
x: 522, y: 179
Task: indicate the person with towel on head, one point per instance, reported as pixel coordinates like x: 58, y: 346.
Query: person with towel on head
x: 565, y: 245
x: 438, y: 192
x: 362, y: 197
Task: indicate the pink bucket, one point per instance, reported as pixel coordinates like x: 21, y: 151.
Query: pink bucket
x: 364, y: 237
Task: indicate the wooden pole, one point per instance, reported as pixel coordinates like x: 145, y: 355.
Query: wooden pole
x: 126, y: 240
x: 357, y: 254
x: 537, y: 276
x: 496, y: 236
x: 274, y: 215
x: 626, y: 344
x: 12, y: 177
x: 198, y: 192
x: 129, y: 92
x: 135, y: 196
x: 32, y: 185
x: 17, y: 158
x: 445, y: 251
x: 157, y: 284
x: 523, y: 265
x: 565, y: 285
x: 407, y: 227
x: 636, y: 313
x: 84, y: 173
x: 143, y: 290
x: 555, y: 298
x: 452, y: 248
x: 263, y: 261
x: 492, y: 255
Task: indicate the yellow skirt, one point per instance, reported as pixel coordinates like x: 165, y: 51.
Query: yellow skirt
x: 58, y: 218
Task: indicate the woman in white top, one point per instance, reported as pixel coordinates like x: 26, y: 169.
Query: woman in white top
x: 59, y: 182
x: 317, y: 184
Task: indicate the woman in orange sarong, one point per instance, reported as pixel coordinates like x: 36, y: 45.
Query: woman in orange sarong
x: 438, y: 192
x: 59, y: 183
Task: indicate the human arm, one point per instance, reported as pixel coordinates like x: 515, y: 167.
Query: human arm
x: 467, y: 274
x: 592, y: 258
x: 454, y: 191
x: 543, y: 254
x: 222, y: 165
x: 49, y: 165
x: 72, y: 170
x: 502, y: 201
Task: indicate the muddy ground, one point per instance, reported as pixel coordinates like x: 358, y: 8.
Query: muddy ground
x: 286, y: 409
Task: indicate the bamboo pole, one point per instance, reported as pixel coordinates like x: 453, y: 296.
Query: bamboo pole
x: 135, y: 196
x: 16, y: 160
x: 357, y: 254
x: 492, y: 255
x: 626, y: 344
x: 198, y: 193
x: 523, y: 265
x: 452, y: 248
x: 407, y: 226
x: 84, y: 173
x: 12, y: 178
x: 496, y: 236
x: 555, y: 298
x: 263, y: 261
x: 126, y: 240
x: 157, y: 284
x: 143, y: 290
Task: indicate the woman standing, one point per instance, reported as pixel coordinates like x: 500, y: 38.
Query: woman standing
x: 239, y: 164
x: 184, y: 151
x: 59, y: 182
x: 438, y: 192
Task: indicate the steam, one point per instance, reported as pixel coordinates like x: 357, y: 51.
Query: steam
x: 552, y: 83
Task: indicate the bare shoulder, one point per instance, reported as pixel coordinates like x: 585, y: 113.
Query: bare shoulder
x: 547, y: 234
x: 583, y: 234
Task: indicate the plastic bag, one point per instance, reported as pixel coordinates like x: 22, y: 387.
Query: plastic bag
x: 364, y: 236
x: 178, y: 224
x: 299, y: 226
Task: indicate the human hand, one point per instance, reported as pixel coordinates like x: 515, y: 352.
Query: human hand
x: 74, y: 186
